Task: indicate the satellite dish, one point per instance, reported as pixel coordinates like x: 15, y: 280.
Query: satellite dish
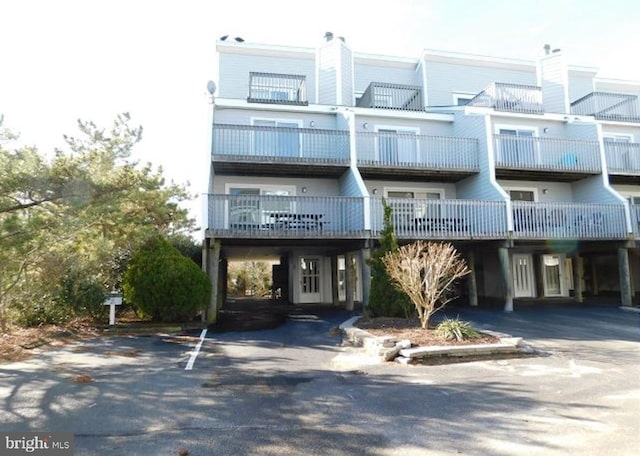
x: 211, y: 87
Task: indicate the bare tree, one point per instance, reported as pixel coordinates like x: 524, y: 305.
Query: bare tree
x: 426, y: 272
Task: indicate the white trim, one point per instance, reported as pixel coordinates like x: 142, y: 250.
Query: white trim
x: 477, y: 60
x: 439, y: 191
x: 618, y: 135
x: 237, y: 103
x: 228, y: 186
x: 400, y: 128
x: 270, y: 50
x: 409, y: 115
x: 534, y: 190
x: 498, y: 127
x: 277, y: 120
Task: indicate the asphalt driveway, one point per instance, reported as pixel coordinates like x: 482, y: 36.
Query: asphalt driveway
x: 280, y: 392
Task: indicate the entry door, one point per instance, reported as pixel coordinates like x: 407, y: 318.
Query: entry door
x: 310, y: 279
x: 554, y: 275
x: 523, y: 279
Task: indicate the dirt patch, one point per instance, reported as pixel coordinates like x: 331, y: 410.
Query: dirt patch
x: 18, y: 344
x: 82, y: 379
x: 401, y: 328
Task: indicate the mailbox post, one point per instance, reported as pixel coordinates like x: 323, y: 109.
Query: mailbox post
x: 113, y: 300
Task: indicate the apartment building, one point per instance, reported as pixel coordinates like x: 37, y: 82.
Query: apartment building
x: 530, y: 168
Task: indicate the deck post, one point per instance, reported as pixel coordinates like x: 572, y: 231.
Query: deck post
x: 349, y: 280
x: 507, y: 275
x: 335, y: 299
x: 213, y: 271
x: 365, y: 270
x: 625, y: 277
x: 578, y: 276
x: 471, y: 280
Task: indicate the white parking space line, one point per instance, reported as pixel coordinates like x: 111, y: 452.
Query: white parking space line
x: 194, y: 353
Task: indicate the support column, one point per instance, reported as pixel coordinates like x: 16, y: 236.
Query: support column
x: 335, y: 299
x: 507, y: 275
x: 213, y: 271
x: 625, y: 277
x: 349, y: 279
x: 471, y: 280
x: 594, y: 277
x: 578, y: 277
x: 365, y: 272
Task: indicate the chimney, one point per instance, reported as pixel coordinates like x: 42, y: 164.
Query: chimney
x: 334, y: 72
x: 553, y: 78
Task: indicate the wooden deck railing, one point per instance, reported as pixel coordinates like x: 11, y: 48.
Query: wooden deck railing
x: 508, y: 97
x: 307, y: 145
x: 417, y: 151
x: 568, y: 221
x: 547, y: 154
x: 622, y: 158
x: 262, y: 216
x: 442, y: 219
x: 620, y: 107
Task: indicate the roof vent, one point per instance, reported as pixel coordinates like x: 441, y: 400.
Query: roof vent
x: 328, y: 36
x: 547, y: 49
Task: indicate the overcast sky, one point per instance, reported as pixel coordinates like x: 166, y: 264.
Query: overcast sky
x: 67, y: 59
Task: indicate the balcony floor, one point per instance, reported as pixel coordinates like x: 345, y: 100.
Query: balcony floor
x: 540, y: 175
x: 619, y: 178
x: 279, y: 168
x: 413, y: 174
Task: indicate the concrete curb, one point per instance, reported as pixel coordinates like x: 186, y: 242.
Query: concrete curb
x: 388, y: 348
x: 630, y: 309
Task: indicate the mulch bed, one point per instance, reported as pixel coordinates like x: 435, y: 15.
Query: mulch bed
x: 401, y: 328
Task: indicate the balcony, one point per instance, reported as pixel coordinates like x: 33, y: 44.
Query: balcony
x: 392, y: 96
x: 544, y: 156
x: 572, y: 221
x: 510, y: 98
x: 382, y: 154
x: 442, y: 219
x: 251, y: 149
x: 288, y: 89
x: 623, y: 158
x: 618, y: 107
x: 285, y: 217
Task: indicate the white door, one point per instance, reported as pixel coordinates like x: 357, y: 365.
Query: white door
x: 523, y: 280
x: 310, y: 279
x: 553, y: 275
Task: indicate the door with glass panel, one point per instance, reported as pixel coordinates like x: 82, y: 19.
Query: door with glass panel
x: 411, y: 208
x: 554, y: 275
x: 310, y: 279
x: 523, y: 278
x: 517, y: 147
x: 397, y: 146
x: 276, y: 138
x: 620, y: 155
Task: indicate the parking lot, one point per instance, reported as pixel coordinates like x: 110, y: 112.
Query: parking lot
x: 279, y: 391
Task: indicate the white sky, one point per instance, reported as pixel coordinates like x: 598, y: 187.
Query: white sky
x: 67, y: 59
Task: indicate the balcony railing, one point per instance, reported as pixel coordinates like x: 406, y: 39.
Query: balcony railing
x: 568, y: 220
x: 635, y: 219
x: 511, y: 98
x: 392, y: 96
x: 277, y: 88
x: 417, y: 151
x: 262, y: 216
x: 547, y: 154
x: 618, y: 107
x: 304, y: 145
x: 442, y: 219
x: 622, y: 158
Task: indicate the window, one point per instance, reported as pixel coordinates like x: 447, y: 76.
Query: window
x: 516, y: 146
x: 462, y: 99
x: 279, y: 138
x: 254, y: 205
x: 397, y: 145
x: 621, y: 154
x: 405, y: 211
x: 522, y: 195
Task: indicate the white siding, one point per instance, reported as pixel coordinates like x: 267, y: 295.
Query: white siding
x: 366, y: 74
x: 431, y: 128
x: 477, y: 186
x: 346, y: 56
x: 579, y: 86
x: 243, y: 117
x: 448, y: 189
x: 556, y: 191
x: 350, y: 183
x: 622, y: 130
x: 328, y: 65
x: 554, y: 79
x: 617, y: 86
x: 583, y: 132
x: 235, y: 69
x: 315, y: 187
x: 443, y: 79
x: 592, y: 190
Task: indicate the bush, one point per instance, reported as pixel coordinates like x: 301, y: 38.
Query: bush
x: 164, y: 284
x: 456, y: 329
x: 385, y: 300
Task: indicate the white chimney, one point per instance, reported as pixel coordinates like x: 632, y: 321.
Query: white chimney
x: 553, y: 78
x: 334, y: 72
